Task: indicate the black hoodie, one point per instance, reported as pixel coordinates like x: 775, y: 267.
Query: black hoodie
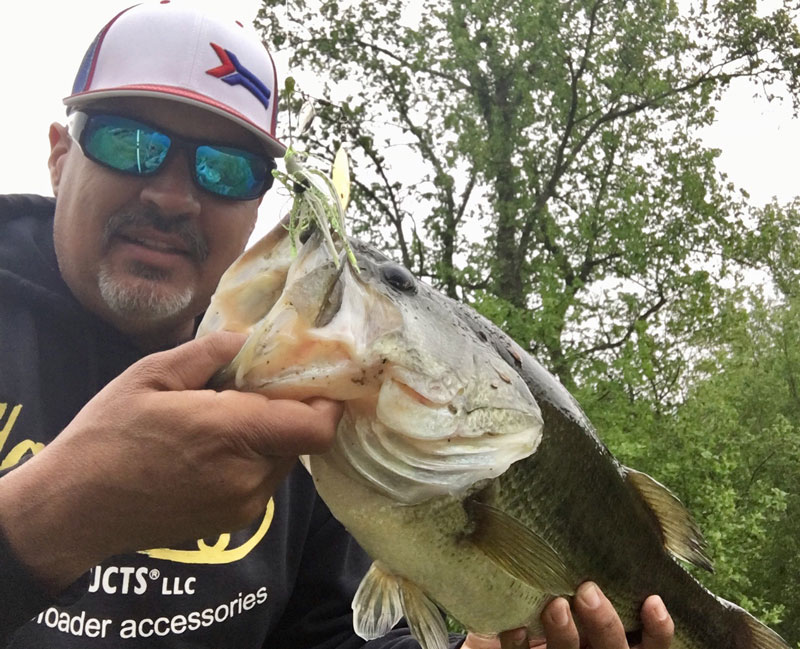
x: 287, y: 581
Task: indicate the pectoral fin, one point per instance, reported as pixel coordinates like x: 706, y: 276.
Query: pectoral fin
x: 519, y: 551
x: 682, y: 536
x: 383, y: 598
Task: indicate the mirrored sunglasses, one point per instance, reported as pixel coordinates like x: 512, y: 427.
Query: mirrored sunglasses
x: 139, y: 149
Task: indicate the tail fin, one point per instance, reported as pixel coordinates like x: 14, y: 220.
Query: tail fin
x: 755, y: 635
x: 762, y: 636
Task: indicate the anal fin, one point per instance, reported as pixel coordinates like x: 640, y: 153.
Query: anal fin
x: 519, y: 551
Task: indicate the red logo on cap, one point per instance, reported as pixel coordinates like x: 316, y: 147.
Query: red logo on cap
x: 234, y: 73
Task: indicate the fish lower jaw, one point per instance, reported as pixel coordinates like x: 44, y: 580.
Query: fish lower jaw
x: 416, y: 394
x: 334, y: 382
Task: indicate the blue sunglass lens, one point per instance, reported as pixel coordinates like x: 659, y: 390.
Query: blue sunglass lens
x: 135, y: 148
x: 231, y: 172
x: 126, y: 145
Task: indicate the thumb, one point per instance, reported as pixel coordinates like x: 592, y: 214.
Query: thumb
x: 191, y: 365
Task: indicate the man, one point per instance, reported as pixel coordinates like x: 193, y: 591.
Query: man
x: 115, y: 460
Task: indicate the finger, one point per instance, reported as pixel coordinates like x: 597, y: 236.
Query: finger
x: 279, y: 427
x: 599, y: 621
x: 325, y: 407
x: 474, y: 641
x: 279, y: 470
x: 514, y: 639
x: 658, y: 625
x: 559, y: 627
x: 191, y: 365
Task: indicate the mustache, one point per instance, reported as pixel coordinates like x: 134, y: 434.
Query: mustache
x: 183, y: 227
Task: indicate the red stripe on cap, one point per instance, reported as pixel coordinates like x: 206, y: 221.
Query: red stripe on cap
x: 96, y: 53
x: 190, y: 94
x: 178, y: 92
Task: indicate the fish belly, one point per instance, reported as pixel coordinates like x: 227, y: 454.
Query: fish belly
x: 428, y: 545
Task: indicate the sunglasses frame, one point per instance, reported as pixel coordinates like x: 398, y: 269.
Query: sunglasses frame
x: 79, y: 119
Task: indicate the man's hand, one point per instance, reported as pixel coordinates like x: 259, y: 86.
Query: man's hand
x: 599, y: 621
x: 155, y: 459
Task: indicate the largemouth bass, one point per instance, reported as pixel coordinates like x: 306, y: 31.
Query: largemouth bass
x: 466, y: 470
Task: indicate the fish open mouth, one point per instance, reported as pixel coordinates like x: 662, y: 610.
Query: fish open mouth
x: 311, y: 340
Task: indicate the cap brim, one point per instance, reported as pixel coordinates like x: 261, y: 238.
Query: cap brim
x: 274, y: 147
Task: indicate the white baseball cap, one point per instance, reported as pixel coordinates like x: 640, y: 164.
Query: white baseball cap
x: 168, y: 49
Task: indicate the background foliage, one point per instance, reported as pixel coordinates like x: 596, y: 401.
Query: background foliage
x: 540, y: 160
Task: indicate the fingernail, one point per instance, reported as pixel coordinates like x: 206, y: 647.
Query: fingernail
x: 659, y: 610
x: 519, y: 638
x: 559, y: 613
x: 590, y: 596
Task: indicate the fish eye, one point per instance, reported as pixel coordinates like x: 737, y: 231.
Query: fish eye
x: 400, y: 278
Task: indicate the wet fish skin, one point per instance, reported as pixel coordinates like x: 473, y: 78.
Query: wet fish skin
x: 465, y: 543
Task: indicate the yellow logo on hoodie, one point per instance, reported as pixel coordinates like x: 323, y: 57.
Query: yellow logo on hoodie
x: 13, y: 457
x: 218, y: 552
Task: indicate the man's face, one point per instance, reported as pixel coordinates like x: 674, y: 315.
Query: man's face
x: 146, y: 253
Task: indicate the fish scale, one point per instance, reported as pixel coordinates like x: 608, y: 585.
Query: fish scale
x: 525, y: 492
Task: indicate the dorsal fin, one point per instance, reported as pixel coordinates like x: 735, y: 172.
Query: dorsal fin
x: 682, y: 536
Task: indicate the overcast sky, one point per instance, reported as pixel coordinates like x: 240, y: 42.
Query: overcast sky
x: 42, y: 43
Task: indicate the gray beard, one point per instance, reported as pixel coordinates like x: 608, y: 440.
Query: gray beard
x: 142, y: 301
